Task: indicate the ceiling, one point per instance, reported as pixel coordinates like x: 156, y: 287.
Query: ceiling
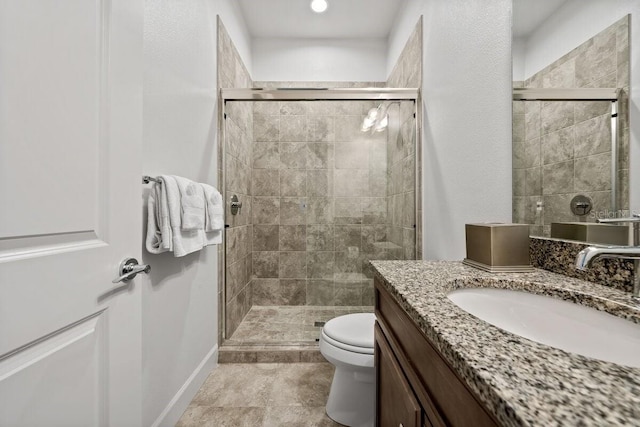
x: 342, y: 19
x: 529, y: 14
x: 359, y: 18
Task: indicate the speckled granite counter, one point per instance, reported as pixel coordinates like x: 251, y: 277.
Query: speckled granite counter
x: 520, y: 381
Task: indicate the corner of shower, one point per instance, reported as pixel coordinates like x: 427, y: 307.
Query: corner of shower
x: 311, y: 196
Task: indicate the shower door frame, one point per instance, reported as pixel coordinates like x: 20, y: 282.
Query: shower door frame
x: 309, y: 94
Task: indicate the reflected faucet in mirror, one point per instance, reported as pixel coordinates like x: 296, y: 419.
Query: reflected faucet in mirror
x: 586, y: 256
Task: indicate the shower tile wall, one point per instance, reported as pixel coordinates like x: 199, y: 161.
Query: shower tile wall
x: 238, y: 127
x: 319, y: 202
x: 402, y: 227
x: 561, y: 149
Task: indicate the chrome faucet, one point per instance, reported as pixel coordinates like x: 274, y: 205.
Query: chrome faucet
x: 591, y: 253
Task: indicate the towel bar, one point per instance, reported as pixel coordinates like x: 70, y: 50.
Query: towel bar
x: 146, y: 179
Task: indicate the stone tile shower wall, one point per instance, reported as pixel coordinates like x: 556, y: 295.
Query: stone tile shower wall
x: 561, y: 149
x: 402, y: 227
x: 238, y: 127
x: 319, y: 202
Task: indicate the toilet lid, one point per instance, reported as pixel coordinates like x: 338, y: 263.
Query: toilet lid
x: 352, y: 329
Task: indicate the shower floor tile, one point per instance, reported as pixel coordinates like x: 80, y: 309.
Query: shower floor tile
x: 287, y: 325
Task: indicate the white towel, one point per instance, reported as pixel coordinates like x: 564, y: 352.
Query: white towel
x: 192, y: 205
x: 164, y: 228
x: 214, y: 218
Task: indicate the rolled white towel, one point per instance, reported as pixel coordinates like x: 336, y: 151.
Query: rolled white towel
x: 214, y: 218
x: 192, y: 205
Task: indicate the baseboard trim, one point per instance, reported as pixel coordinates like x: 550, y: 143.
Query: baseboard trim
x: 176, y: 407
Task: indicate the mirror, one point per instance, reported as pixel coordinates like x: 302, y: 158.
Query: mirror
x: 570, y: 151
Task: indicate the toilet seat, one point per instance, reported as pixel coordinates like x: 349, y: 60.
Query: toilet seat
x: 346, y: 347
x: 352, y: 332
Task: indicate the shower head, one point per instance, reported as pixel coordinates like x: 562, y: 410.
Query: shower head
x: 377, y: 119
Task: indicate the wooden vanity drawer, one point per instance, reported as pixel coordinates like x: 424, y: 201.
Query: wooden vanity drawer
x: 444, y: 397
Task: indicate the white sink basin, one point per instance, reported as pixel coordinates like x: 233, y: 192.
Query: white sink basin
x: 554, y: 322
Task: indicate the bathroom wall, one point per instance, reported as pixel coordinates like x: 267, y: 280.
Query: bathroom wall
x: 402, y: 227
x: 319, y: 201
x: 466, y: 93
x: 319, y: 59
x: 238, y: 127
x: 561, y: 149
x: 179, y: 310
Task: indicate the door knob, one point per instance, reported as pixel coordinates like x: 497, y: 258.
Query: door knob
x: 129, y: 268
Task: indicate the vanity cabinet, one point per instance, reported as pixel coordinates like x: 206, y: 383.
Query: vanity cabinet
x: 398, y: 405
x: 415, y: 386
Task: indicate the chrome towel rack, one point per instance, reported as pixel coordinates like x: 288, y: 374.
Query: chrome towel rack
x: 146, y: 179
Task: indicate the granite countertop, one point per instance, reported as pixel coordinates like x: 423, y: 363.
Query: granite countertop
x: 523, y: 383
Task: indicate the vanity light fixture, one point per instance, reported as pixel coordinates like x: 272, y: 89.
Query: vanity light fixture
x: 319, y: 6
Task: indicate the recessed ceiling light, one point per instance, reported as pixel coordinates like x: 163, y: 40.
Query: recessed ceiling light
x: 319, y: 6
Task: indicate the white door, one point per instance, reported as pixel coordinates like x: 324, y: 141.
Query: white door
x: 70, y: 210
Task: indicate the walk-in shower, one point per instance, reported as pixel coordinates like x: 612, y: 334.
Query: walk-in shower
x: 312, y: 195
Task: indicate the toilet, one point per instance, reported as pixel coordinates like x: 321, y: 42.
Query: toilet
x: 347, y: 343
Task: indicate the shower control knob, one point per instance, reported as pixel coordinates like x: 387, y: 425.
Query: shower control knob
x: 236, y: 205
x: 581, y: 205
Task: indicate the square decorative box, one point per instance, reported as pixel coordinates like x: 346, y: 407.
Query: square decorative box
x: 497, y: 247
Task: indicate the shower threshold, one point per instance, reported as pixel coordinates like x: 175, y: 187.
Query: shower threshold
x: 281, y: 334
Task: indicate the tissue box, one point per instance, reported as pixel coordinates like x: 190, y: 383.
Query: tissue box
x: 498, y: 247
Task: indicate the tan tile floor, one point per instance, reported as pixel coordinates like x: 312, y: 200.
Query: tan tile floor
x: 262, y: 395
